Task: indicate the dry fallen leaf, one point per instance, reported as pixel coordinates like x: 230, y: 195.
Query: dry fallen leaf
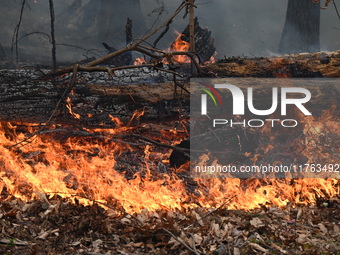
x: 237, y: 251
x: 198, y: 239
x: 323, y: 228
x: 302, y: 239
x: 257, y: 223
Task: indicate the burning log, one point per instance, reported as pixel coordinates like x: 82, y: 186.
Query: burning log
x: 27, y: 97
x: 321, y: 64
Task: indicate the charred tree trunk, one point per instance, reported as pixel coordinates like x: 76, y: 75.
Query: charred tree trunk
x: 301, y: 32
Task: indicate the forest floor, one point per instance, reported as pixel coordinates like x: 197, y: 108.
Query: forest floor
x: 56, y: 226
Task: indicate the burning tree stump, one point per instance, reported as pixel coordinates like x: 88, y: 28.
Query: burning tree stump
x: 204, y: 43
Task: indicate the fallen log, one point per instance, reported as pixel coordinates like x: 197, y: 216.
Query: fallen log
x: 27, y: 97
x: 320, y: 64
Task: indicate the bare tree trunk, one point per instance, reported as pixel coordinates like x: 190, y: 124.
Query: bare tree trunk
x: 301, y: 32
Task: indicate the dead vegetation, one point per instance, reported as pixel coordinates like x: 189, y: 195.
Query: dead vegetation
x: 55, y: 226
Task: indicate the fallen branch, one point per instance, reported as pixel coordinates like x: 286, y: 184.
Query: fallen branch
x: 130, y: 47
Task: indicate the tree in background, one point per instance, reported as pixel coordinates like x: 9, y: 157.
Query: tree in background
x: 103, y: 20
x: 301, y: 32
x: 112, y: 16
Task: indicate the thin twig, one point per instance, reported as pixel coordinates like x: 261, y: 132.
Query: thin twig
x: 112, y: 70
x: 86, y: 68
x: 113, y: 139
x: 167, y: 27
x: 66, y: 92
x: 152, y: 49
x: 180, y: 241
x: 336, y: 9
x: 193, y: 242
x: 84, y: 133
x: 93, y: 51
x: 179, y: 9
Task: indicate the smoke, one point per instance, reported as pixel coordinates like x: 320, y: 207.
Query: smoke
x: 240, y: 28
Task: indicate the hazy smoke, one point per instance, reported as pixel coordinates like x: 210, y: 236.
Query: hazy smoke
x: 240, y: 28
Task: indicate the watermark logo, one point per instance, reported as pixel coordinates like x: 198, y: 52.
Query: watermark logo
x: 263, y: 127
x: 239, y: 99
x: 214, y: 95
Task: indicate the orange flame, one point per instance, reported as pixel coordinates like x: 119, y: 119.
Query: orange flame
x: 180, y: 46
x: 89, y: 169
x: 139, y: 61
x: 69, y: 108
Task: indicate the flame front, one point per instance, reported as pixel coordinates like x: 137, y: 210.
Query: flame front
x: 68, y: 168
x: 85, y: 168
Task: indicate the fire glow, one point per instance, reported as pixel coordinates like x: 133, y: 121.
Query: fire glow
x: 181, y: 46
x: 178, y: 45
x: 84, y: 168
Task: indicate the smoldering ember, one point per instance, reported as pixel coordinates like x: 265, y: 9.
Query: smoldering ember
x: 100, y: 137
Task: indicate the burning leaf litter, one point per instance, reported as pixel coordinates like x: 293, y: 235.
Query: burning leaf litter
x: 105, y: 196
x: 95, y: 165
